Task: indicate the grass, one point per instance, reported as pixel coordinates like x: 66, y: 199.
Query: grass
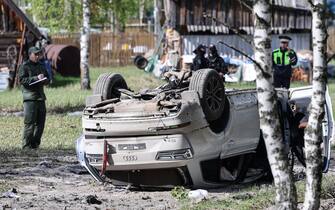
x: 252, y: 197
x: 65, y: 94
x: 4, y: 186
x: 255, y: 197
x: 331, y: 86
x: 60, y: 132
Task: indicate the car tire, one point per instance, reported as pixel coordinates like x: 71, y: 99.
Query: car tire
x: 210, y: 87
x: 107, y: 85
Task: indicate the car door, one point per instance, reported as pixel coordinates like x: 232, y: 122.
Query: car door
x: 302, y: 97
x: 242, y: 132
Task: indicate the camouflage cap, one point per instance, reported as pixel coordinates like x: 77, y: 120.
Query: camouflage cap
x: 34, y: 50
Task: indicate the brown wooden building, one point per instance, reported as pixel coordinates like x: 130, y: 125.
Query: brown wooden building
x: 207, y: 21
x: 17, y: 34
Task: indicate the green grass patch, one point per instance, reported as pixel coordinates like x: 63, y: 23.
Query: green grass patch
x: 254, y: 197
x: 331, y: 86
x: 4, y: 186
x: 65, y: 93
x: 327, y: 188
x: 179, y: 193
x: 247, y: 85
x: 240, y: 85
x: 60, y: 132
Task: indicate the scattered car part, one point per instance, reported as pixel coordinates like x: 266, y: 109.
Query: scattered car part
x: 140, y: 62
x: 93, y: 200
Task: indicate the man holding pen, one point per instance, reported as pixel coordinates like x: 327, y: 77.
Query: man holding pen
x: 33, y: 76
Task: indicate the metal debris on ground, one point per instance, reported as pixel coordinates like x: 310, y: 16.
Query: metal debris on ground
x: 45, y: 164
x: 10, y: 194
x: 146, y: 197
x: 93, y: 200
x: 198, y: 195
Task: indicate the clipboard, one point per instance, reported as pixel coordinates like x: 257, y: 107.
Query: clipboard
x: 38, y: 81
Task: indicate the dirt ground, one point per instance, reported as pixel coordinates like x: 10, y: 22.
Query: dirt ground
x: 49, y: 180
x: 54, y: 180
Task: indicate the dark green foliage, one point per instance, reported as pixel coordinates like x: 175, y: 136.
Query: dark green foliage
x: 56, y: 14
x: 179, y: 193
x: 67, y: 14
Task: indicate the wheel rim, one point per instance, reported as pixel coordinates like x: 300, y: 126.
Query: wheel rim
x: 214, y: 94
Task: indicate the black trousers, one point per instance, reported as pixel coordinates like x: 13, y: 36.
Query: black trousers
x: 34, y: 120
x: 282, y: 82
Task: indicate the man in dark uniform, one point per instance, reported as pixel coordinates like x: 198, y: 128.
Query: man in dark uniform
x: 199, y: 62
x: 216, y: 61
x: 283, y: 59
x: 33, y: 76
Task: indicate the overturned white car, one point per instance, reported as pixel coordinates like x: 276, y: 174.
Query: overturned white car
x: 190, y: 132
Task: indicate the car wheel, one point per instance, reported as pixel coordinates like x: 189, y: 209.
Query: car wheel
x: 108, y: 84
x: 210, y: 87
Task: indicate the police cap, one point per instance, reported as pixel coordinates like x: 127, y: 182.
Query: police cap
x: 284, y: 38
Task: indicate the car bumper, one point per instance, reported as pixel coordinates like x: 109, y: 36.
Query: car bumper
x: 135, y: 153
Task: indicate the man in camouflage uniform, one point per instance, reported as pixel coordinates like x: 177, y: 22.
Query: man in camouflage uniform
x: 283, y: 59
x: 34, y: 98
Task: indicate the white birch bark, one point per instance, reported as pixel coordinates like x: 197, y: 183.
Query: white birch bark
x: 157, y: 16
x: 111, y: 18
x: 84, y: 39
x: 313, y: 132
x: 67, y: 9
x: 269, y: 121
x: 141, y: 11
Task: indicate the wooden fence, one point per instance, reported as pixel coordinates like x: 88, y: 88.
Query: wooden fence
x: 108, y: 49
x: 331, y: 40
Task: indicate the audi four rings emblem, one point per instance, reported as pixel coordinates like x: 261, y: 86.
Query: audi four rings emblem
x: 129, y: 158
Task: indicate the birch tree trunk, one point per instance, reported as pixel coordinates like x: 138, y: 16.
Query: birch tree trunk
x: 157, y: 16
x: 112, y: 18
x: 313, y: 133
x: 141, y: 11
x: 84, y: 39
x: 269, y: 122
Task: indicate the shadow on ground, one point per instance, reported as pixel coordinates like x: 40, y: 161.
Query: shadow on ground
x: 60, y: 81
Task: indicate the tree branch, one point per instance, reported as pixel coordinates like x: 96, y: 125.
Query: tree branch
x: 262, y: 21
x: 243, y: 53
x: 235, y: 30
x: 246, y: 5
x: 311, y: 3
